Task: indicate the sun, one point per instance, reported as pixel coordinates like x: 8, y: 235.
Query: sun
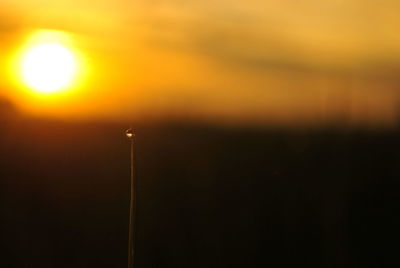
x: 48, y: 63
x: 48, y: 67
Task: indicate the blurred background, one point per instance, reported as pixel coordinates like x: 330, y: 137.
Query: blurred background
x: 267, y: 134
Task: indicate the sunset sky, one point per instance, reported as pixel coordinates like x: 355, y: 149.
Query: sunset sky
x: 235, y: 61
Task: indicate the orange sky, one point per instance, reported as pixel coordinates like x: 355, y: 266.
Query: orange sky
x: 248, y: 61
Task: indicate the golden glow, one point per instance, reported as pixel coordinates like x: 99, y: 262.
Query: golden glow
x: 48, y: 67
x: 48, y: 62
x: 273, y: 65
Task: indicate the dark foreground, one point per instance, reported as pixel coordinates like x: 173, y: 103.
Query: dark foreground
x: 208, y: 197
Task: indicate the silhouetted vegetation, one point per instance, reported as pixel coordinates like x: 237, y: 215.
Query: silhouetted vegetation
x: 208, y: 196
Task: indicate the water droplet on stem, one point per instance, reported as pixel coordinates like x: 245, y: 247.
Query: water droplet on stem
x: 129, y: 133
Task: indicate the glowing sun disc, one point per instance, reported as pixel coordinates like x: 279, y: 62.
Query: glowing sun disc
x: 48, y: 67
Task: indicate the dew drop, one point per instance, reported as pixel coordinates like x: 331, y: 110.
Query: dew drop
x: 129, y: 133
